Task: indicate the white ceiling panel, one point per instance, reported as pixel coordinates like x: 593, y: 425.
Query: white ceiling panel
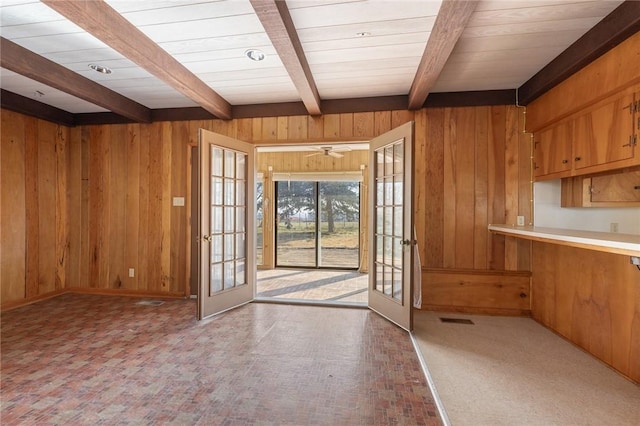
x: 541, y: 12
x: 395, y: 40
x: 239, y: 42
x: 366, y: 53
x: 514, y: 42
x: 154, y: 13
x: 26, y: 14
x: 313, y: 16
x: 580, y: 24
x: 203, y: 28
x: 414, y: 26
x: 26, y: 87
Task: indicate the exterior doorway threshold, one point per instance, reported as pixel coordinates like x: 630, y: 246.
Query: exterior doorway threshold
x: 308, y: 302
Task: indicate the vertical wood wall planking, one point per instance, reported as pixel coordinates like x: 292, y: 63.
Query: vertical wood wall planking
x: 12, y: 214
x: 153, y: 233
x: 433, y: 156
x: 133, y: 196
x: 465, y: 188
x: 74, y: 205
x: 85, y: 244
x: 496, y: 164
x: 590, y: 298
x: 47, y: 181
x: 62, y: 210
x: 117, y: 205
x: 32, y: 254
x: 420, y: 183
x: 120, y: 181
x: 481, y: 178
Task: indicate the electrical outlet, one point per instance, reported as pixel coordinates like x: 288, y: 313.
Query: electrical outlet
x: 613, y: 227
x: 132, y: 272
x: 520, y: 220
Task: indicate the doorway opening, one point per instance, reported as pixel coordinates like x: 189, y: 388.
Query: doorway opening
x: 311, y: 223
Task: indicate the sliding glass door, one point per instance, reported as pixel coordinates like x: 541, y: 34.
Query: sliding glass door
x: 318, y: 224
x: 295, y: 224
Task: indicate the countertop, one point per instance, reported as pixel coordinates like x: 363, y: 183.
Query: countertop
x: 611, y: 242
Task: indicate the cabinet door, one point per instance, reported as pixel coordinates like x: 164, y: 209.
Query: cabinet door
x: 553, y: 150
x: 603, y: 135
x: 616, y: 188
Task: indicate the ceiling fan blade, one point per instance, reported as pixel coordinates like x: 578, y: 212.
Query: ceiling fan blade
x: 341, y: 149
x: 335, y: 154
x: 315, y: 153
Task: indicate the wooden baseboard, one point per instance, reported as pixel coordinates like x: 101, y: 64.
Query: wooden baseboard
x: 126, y: 293
x: 24, y: 302
x: 478, y: 311
x: 81, y: 290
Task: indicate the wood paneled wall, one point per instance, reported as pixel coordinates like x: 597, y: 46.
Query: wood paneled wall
x: 34, y: 253
x: 119, y: 181
x: 592, y: 299
x: 473, y: 168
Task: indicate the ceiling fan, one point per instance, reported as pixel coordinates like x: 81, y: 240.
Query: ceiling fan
x: 329, y: 151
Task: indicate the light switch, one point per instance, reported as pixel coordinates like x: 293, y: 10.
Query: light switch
x: 178, y: 201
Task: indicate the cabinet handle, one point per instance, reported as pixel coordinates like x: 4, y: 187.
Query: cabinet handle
x: 632, y: 141
x: 578, y: 158
x: 565, y: 161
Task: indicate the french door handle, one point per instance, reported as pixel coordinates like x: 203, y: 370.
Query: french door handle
x: 207, y: 238
x: 408, y: 242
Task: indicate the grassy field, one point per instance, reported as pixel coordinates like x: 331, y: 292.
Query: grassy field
x: 302, y: 235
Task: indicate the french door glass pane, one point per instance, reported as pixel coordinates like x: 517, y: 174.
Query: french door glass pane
x: 228, y: 217
x: 389, y: 220
x: 259, y: 223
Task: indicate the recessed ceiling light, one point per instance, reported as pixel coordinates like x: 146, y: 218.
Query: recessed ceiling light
x: 363, y: 34
x: 255, y: 55
x: 100, y: 68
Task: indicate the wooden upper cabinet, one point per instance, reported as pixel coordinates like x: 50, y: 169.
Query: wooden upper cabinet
x: 601, y: 138
x: 552, y: 154
x: 605, y: 134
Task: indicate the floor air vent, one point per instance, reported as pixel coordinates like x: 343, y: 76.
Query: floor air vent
x: 150, y: 302
x: 457, y: 320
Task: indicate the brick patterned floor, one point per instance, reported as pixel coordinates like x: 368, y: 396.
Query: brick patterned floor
x: 80, y: 359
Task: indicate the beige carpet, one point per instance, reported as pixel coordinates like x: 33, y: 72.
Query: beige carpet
x: 513, y: 371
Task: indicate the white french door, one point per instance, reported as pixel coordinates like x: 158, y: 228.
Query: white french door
x: 226, y: 277
x: 391, y: 224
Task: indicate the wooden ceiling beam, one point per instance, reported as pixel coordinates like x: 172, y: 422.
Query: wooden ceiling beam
x: 276, y: 20
x: 18, y: 103
x: 447, y: 29
x: 103, y: 22
x: 22, y: 61
x: 616, y: 27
